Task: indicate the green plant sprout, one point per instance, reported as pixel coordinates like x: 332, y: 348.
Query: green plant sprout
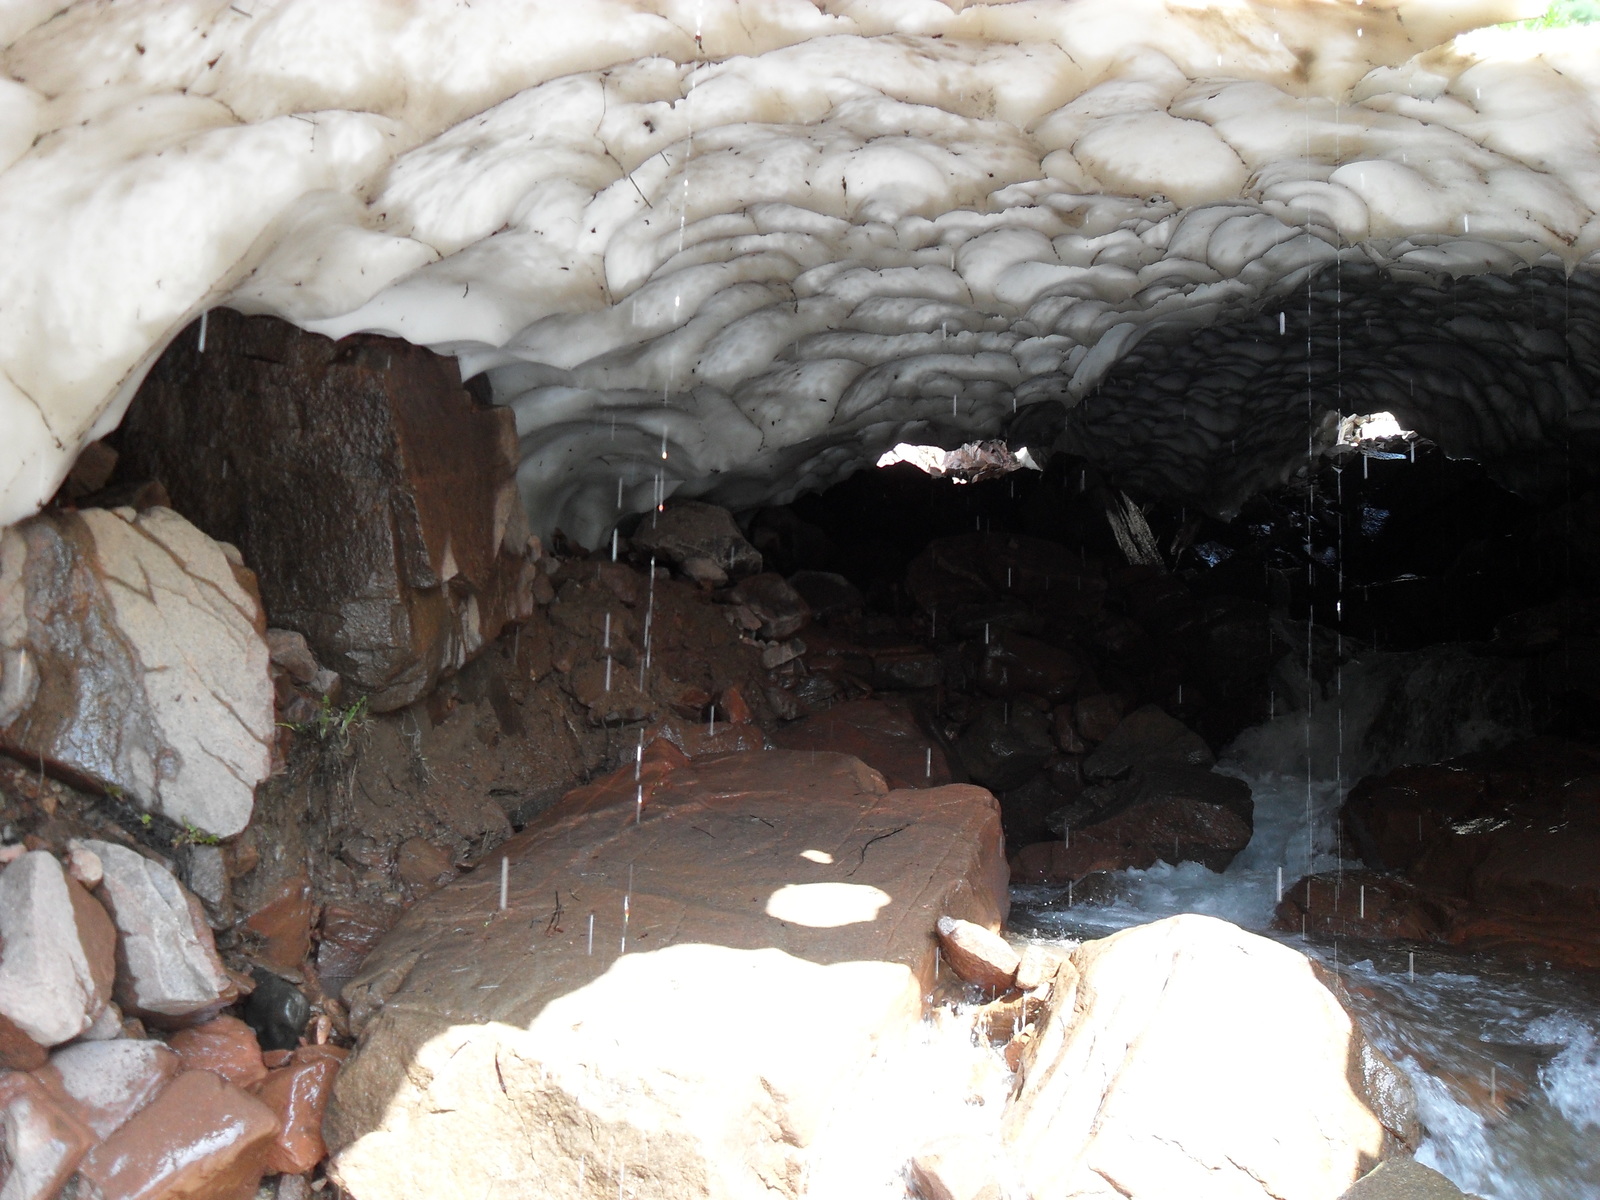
x: 1560, y: 15
x: 192, y: 835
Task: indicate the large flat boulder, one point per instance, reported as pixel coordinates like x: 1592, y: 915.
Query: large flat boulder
x: 1190, y: 1058
x: 132, y: 660
x: 374, y: 495
x: 760, y: 923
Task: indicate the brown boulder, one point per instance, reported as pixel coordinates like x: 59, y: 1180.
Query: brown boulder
x: 782, y: 611
x: 396, y: 535
x: 200, y: 1139
x: 752, y: 892
x: 881, y: 732
x: 690, y: 531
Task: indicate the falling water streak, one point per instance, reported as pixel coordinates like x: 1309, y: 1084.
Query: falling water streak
x: 638, y: 806
x: 930, y: 762
x: 591, y: 934
x: 203, y: 319
x: 626, y: 904
x: 711, y: 722
x: 615, y: 534
x: 505, y: 880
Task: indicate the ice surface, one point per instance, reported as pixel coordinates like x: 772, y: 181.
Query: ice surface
x: 785, y: 236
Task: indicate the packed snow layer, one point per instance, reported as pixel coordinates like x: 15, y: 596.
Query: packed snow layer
x: 738, y: 248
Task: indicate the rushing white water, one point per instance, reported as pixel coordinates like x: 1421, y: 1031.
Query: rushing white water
x: 1506, y: 1063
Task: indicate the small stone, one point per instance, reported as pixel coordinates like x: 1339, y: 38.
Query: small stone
x: 41, y: 1139
x: 225, y: 1046
x: 201, y: 1137
x: 109, y: 1081
x: 1096, y: 716
x: 978, y: 955
x: 422, y: 864
x: 1036, y: 966
x: 298, y: 1094
x: 283, y: 923
x: 289, y: 649
x: 957, y: 1167
x: 167, y: 966
x: 277, y: 1011
x: 57, y: 951
x: 206, y: 873
x: 107, y: 1026
x: 293, y: 1187
x: 776, y: 654
x: 733, y: 707
x: 83, y: 864
x: 703, y: 572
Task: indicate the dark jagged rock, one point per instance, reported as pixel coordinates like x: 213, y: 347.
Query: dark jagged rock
x: 277, y: 1011
x: 1005, y: 744
x: 375, y: 499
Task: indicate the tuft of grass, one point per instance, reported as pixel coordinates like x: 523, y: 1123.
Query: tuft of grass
x: 193, y: 835
x: 1560, y: 15
x: 333, y: 723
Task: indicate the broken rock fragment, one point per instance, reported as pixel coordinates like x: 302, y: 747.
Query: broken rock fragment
x: 298, y: 1094
x: 225, y: 1046
x: 131, y: 658
x: 57, y: 951
x: 980, y: 956
x: 168, y: 971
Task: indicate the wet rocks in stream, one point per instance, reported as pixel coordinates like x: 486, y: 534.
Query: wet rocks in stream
x: 1496, y: 851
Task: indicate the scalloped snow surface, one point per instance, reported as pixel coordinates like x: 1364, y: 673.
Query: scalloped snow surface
x: 739, y: 248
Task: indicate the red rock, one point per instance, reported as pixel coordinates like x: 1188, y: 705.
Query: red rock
x: 18, y: 1051
x: 420, y: 863
x: 284, y: 924
x: 107, y: 1082
x: 298, y: 1094
x: 349, y: 931
x: 1364, y: 904
x: 980, y: 956
x: 1015, y: 665
x: 225, y: 1046
x: 1096, y: 716
x: 882, y: 732
x: 1510, y: 839
x: 43, y: 1139
x: 733, y: 707
x: 200, y: 1139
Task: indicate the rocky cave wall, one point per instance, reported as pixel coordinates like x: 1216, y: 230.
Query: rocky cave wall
x: 736, y: 250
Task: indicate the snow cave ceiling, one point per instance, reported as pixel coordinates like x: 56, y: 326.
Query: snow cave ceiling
x: 738, y: 248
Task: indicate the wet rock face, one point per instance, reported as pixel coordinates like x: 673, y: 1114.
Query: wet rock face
x: 1495, y: 851
x: 750, y: 892
x: 374, y: 497
x: 131, y: 658
x: 1162, y: 1067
